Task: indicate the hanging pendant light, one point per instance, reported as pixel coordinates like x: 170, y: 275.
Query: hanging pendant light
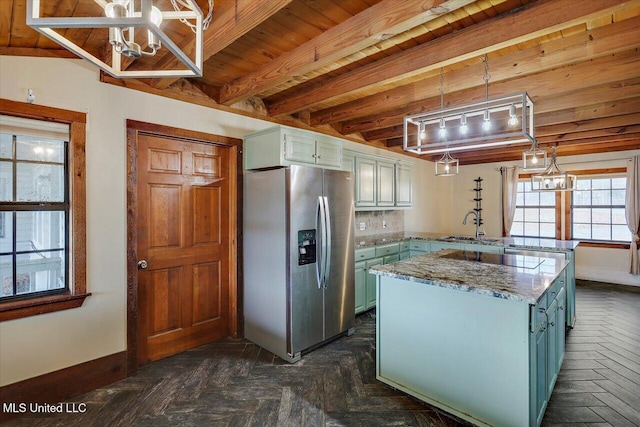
x: 447, y: 165
x: 553, y: 178
x: 534, y: 158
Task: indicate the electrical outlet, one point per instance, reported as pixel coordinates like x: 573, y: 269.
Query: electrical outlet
x: 363, y: 226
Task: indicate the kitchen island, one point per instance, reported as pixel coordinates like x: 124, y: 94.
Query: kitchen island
x: 476, y: 334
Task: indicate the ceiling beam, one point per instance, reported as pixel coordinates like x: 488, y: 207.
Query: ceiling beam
x: 356, y: 33
x: 232, y: 20
x: 586, y: 112
x: 533, y: 21
x: 582, y: 47
x: 47, y: 53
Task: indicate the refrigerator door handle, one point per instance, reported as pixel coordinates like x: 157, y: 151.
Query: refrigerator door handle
x: 320, y: 221
x: 327, y: 255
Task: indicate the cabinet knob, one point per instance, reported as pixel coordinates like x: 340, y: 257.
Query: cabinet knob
x: 561, y: 308
x: 552, y: 324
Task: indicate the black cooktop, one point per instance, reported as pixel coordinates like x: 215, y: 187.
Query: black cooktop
x: 520, y: 261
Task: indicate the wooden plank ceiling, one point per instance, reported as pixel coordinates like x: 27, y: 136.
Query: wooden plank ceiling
x: 355, y: 68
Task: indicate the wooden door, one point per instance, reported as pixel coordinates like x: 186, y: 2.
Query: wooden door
x: 183, y: 221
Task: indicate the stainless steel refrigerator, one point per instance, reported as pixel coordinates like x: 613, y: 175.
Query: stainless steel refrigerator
x: 298, y: 258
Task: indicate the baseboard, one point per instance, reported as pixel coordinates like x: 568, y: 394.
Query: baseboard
x: 607, y: 276
x: 55, y: 387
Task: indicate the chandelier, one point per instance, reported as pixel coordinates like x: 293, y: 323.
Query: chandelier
x: 504, y: 120
x: 134, y: 31
x: 553, y: 178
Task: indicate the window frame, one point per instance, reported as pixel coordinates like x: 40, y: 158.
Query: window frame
x: 76, y: 294
x: 558, y: 212
x: 568, y: 214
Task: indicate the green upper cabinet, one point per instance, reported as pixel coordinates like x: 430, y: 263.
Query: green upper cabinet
x: 284, y: 146
x: 386, y: 183
x: 366, y: 178
x: 403, y: 184
x: 379, y: 183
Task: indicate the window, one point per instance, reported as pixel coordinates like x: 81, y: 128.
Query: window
x: 35, y: 208
x: 597, y: 209
x: 535, y: 214
x: 42, y: 227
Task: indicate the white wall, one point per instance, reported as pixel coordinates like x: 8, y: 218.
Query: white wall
x: 37, y: 345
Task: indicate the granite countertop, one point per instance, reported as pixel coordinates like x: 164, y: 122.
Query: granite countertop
x: 507, y: 242
x: 499, y: 281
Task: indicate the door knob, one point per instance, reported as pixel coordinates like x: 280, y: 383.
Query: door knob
x: 142, y: 264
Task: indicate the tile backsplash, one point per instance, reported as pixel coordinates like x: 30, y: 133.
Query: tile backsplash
x: 377, y: 222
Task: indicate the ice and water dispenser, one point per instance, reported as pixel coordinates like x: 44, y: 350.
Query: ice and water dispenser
x: 306, y: 247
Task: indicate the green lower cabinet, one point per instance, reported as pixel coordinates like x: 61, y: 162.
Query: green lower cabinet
x: 370, y: 301
x: 361, y: 286
x: 540, y: 375
x: 483, y: 248
x: 438, y: 246
x: 552, y: 343
x: 405, y: 255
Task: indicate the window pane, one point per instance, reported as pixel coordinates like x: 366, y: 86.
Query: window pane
x: 582, y: 215
x: 6, y: 181
x: 531, y: 199
x: 39, y: 149
x: 601, y: 183
x: 519, y: 215
x: 548, y: 230
x: 601, y: 197
x: 526, y: 185
x: 6, y: 276
x: 620, y: 233
x: 519, y: 199
x: 6, y: 232
x: 531, y: 229
x: 618, y: 216
x: 6, y: 145
x: 583, y: 184
x: 40, y: 272
x: 619, y: 183
x: 517, y: 229
x: 581, y: 231
x: 531, y: 215
x: 617, y: 197
x: 40, y: 230
x: 548, y: 215
x: 547, y: 198
x: 601, y: 232
x: 581, y: 198
x: 37, y: 182
x: 601, y: 216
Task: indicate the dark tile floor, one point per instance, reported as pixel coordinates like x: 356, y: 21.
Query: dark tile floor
x: 235, y: 383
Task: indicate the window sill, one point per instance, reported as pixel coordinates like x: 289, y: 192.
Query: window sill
x: 34, y: 306
x: 604, y: 245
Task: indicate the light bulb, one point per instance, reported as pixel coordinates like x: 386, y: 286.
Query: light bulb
x: 546, y: 183
x: 463, y: 124
x: 423, y: 132
x: 156, y: 16
x: 443, y: 129
x: 116, y: 9
x: 486, y: 125
x: 534, y: 160
x: 446, y: 167
x: 513, y: 118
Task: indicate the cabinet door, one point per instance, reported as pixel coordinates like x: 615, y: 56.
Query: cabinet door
x: 560, y: 331
x: 405, y: 255
x: 437, y: 246
x: 299, y: 148
x: 552, y: 356
x: 386, y: 183
x: 328, y: 153
x: 540, y: 391
x: 371, y: 283
x: 360, y: 285
x: 413, y: 253
x: 365, y: 182
x: 403, y: 184
x: 348, y: 162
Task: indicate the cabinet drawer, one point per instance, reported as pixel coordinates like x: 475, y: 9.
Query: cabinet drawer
x: 391, y: 258
x: 404, y: 246
x: 385, y: 250
x: 366, y: 253
x: 405, y: 255
x: 419, y: 245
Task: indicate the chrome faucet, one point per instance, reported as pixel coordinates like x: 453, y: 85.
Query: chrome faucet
x: 478, y: 232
